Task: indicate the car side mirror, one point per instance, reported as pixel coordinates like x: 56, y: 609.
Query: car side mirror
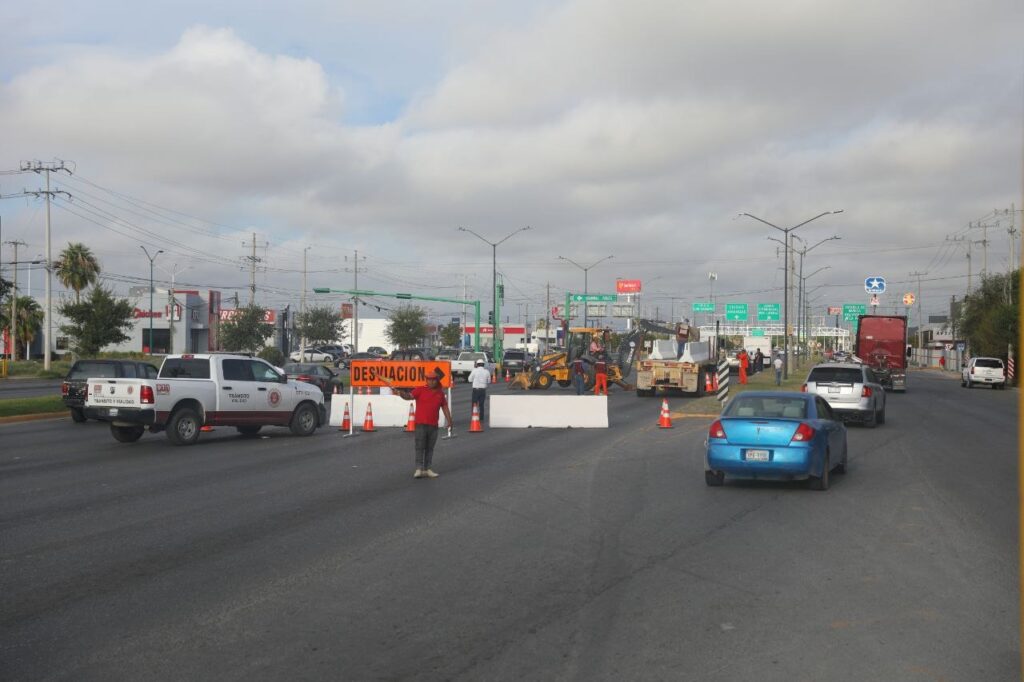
x: 282, y: 378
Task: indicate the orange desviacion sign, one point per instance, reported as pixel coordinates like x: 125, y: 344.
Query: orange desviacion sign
x: 402, y: 373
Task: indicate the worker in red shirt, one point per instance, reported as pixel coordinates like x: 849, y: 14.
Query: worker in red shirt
x: 430, y: 401
x: 601, y: 377
x: 744, y: 364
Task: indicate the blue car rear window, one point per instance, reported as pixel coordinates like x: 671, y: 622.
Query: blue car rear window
x: 767, y: 407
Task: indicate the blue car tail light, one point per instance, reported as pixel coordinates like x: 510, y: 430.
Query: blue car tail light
x: 716, y: 430
x: 804, y: 434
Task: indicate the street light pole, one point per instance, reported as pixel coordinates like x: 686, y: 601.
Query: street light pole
x: 586, y: 282
x: 496, y: 331
x: 785, y: 324
x: 151, y: 259
x: 802, y: 289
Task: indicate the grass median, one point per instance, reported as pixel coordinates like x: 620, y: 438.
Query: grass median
x: 17, y: 407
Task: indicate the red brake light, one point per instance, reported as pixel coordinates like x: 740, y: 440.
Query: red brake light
x: 146, y: 395
x: 803, y: 389
x: 866, y: 392
x: 716, y: 430
x: 803, y: 434
x: 64, y: 388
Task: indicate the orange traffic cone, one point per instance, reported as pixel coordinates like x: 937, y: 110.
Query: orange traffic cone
x: 665, y: 421
x: 410, y: 426
x: 508, y: 376
x: 346, y: 421
x: 475, y: 426
x: 708, y: 388
x: 714, y: 382
x: 368, y: 421
x: 335, y: 389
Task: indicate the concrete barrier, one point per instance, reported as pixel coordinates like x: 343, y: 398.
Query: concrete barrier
x: 548, y: 411
x: 388, y: 410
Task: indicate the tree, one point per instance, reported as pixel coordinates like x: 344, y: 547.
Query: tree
x: 30, y: 320
x: 5, y: 288
x: 77, y: 268
x: 451, y: 334
x: 407, y: 326
x: 246, y: 331
x: 319, y: 325
x: 988, y: 317
x: 98, y: 321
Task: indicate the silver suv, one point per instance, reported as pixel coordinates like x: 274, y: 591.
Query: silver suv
x: 851, y: 390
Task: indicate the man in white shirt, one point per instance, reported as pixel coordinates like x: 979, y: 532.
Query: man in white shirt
x: 479, y: 378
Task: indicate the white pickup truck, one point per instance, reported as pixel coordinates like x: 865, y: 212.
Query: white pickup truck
x: 466, y: 362
x: 193, y: 391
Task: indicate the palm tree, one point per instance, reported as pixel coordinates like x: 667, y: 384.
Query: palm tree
x: 29, y: 322
x: 77, y: 268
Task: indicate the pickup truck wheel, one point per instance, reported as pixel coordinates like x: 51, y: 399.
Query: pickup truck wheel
x: 183, y: 428
x: 248, y: 431
x: 304, y: 421
x: 127, y: 434
x: 78, y: 416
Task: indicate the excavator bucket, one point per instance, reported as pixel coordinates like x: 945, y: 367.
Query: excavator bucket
x: 520, y: 381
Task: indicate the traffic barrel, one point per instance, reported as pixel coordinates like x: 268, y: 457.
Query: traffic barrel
x: 410, y: 426
x: 475, y: 426
x: 368, y: 420
x: 346, y: 421
x: 665, y: 421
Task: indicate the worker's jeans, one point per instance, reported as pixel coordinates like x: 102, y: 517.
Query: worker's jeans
x: 479, y: 399
x: 778, y: 377
x: 426, y: 438
x: 577, y: 380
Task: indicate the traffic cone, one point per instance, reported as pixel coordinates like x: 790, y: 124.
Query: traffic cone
x: 475, y: 426
x: 708, y: 387
x: 714, y: 382
x: 368, y: 421
x: 410, y: 426
x: 335, y: 389
x: 346, y: 421
x: 508, y: 376
x: 665, y: 421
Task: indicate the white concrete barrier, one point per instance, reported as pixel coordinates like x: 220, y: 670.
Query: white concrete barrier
x: 548, y: 411
x: 388, y: 410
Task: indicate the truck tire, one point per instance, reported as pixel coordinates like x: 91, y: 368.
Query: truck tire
x: 564, y: 383
x: 127, y: 434
x: 304, y: 420
x: 183, y: 426
x: 544, y: 381
x: 248, y: 431
x: 78, y: 416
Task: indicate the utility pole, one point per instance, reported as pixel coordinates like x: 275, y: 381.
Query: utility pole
x: 152, y: 258
x: 14, y: 301
x: 47, y: 168
x: 172, y: 306
x: 253, y: 260
x: 920, y: 323
x: 302, y: 306
x: 355, y: 302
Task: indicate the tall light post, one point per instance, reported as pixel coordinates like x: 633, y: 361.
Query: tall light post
x: 586, y: 283
x: 151, y: 259
x: 804, y: 317
x: 496, y: 333
x: 801, y: 290
x: 785, y: 285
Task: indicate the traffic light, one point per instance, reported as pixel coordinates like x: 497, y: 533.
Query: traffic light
x: 490, y: 317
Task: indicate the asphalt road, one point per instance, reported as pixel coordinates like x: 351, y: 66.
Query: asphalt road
x: 28, y: 388
x: 538, y: 554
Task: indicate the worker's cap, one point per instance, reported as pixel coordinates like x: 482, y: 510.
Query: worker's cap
x: 479, y: 363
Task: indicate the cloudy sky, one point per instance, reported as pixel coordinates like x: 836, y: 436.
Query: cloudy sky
x: 638, y: 130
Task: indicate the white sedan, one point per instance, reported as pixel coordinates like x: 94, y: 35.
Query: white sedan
x: 311, y: 356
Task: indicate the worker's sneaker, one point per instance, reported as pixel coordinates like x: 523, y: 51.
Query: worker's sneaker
x: 419, y: 474
x: 430, y: 473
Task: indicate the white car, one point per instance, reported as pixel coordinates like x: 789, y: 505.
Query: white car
x: 311, y: 356
x: 989, y: 371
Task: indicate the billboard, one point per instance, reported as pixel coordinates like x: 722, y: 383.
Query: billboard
x: 627, y: 286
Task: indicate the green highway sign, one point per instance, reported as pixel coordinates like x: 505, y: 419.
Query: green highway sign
x: 593, y: 298
x: 703, y: 307
x: 769, y: 312
x: 736, y: 311
x: 851, y: 311
x: 757, y: 331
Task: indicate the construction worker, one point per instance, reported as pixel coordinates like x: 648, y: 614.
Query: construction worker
x: 579, y: 375
x: 601, y: 377
x: 430, y: 401
x: 479, y: 378
x: 744, y: 364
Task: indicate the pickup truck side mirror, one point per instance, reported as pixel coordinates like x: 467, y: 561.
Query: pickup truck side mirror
x: 282, y: 378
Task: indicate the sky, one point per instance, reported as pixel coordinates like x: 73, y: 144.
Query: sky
x: 635, y: 130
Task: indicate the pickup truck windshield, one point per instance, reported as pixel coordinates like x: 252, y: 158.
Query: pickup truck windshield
x: 180, y: 368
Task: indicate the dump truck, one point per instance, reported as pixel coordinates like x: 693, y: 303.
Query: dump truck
x: 882, y: 345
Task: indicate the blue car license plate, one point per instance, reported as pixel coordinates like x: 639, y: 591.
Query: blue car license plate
x: 756, y: 455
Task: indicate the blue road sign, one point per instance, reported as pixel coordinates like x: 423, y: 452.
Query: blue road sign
x: 874, y: 285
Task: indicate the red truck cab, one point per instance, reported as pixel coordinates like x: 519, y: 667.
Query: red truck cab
x: 882, y: 345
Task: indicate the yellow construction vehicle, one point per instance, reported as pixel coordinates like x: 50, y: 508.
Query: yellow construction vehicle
x: 556, y: 367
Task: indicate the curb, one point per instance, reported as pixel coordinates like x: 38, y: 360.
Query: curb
x: 18, y: 418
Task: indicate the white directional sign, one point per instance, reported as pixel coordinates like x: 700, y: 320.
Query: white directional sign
x: 874, y: 285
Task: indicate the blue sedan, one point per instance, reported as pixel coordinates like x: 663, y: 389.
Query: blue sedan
x: 776, y: 436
